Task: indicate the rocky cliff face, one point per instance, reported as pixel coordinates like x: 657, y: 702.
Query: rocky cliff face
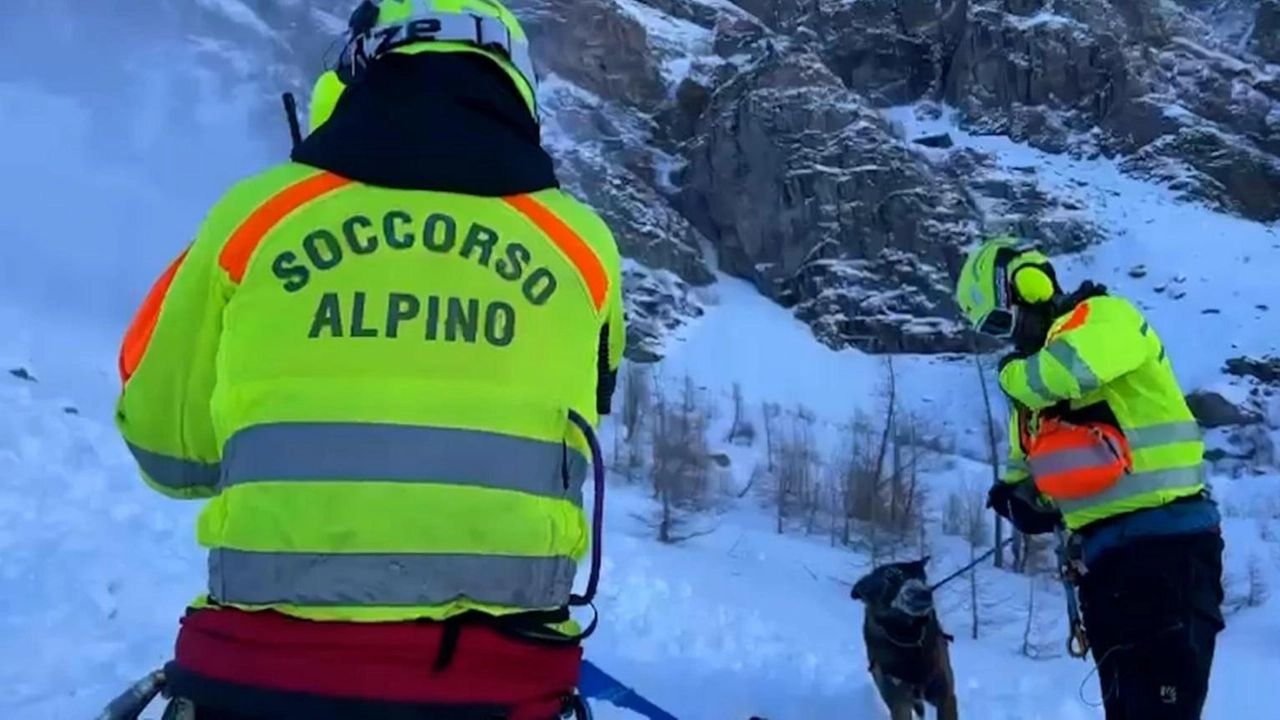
x: 1242, y: 416
x: 803, y: 188
x: 749, y: 136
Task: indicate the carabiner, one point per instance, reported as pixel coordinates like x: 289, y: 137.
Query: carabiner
x: 1077, y: 643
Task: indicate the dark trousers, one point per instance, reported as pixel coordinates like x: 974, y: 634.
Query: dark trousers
x: 1152, y: 612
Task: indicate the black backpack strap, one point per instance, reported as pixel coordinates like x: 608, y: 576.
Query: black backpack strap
x: 532, y: 627
x: 448, y: 644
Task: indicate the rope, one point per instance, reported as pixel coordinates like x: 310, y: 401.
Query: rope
x: 1077, y: 641
x: 972, y: 565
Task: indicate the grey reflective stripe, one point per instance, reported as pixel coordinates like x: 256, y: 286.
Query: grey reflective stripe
x: 175, y: 473
x: 1035, y: 380
x: 1138, y: 483
x: 1143, y: 438
x: 390, y: 580
x: 1065, y: 461
x: 345, y: 451
x: 1066, y: 354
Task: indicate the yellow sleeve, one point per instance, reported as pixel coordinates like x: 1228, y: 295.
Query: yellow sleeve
x: 613, y: 337
x: 167, y: 359
x: 166, y: 371
x: 1015, y: 467
x: 1104, y: 339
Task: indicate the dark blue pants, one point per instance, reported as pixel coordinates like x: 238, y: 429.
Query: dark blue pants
x: 1152, y: 612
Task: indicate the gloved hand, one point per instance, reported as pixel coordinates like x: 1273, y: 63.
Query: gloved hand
x: 1020, y: 504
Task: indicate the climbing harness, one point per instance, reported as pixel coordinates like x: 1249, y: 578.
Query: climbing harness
x: 1071, y: 568
x: 529, y: 626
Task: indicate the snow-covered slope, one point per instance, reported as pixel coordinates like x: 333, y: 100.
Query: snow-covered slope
x: 95, y: 569
x: 1202, y: 277
x: 742, y: 620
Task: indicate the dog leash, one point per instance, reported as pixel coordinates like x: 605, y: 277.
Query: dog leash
x: 1006, y: 542
x: 1077, y: 641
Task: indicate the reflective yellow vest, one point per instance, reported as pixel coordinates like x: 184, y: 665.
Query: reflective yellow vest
x: 1104, y: 351
x: 372, y: 387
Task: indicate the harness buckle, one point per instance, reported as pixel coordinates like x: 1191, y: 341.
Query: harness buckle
x: 1077, y: 641
x: 1073, y: 567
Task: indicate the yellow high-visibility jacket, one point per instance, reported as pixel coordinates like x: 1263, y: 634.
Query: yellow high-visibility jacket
x: 372, y: 388
x: 1103, y: 358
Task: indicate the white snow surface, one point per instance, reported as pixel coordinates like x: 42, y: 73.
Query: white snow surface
x: 95, y: 568
x: 1196, y: 262
x: 741, y: 621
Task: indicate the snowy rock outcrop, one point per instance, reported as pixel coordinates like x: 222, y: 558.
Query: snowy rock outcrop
x: 754, y: 136
x: 806, y: 192
x: 1242, y: 415
x: 787, y: 169
x: 1162, y: 82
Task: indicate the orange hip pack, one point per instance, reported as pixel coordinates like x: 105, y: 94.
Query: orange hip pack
x: 1073, y: 462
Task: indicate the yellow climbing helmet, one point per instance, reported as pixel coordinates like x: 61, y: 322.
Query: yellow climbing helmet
x: 379, y: 27
x: 997, y: 276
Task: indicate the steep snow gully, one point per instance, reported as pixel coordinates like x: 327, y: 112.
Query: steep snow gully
x: 739, y: 619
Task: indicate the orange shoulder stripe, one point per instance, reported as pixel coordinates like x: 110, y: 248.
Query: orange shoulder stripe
x: 138, y: 336
x: 576, y: 249
x: 1078, y: 318
x: 240, y: 247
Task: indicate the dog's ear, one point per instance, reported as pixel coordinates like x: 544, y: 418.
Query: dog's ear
x: 922, y: 563
x: 861, y: 588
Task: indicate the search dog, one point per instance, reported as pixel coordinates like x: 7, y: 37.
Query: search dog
x: 907, y: 649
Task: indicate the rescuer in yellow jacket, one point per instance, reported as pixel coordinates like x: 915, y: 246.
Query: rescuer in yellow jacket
x: 1103, y: 443
x: 379, y: 364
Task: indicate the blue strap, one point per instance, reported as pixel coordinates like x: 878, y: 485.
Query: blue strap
x: 597, y: 684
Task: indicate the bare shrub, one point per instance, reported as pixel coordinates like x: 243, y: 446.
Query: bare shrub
x: 878, y: 499
x: 741, y: 429
x: 994, y: 454
x: 683, y: 470
x: 1266, y: 530
x: 637, y: 397
x: 972, y: 516
x: 1034, y: 554
x: 1041, y: 633
x: 953, y: 515
x: 630, y: 446
x: 796, y: 487
x: 907, y: 495
x: 770, y: 412
x: 1248, y: 591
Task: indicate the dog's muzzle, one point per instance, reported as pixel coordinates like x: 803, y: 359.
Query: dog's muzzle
x: 914, y: 598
